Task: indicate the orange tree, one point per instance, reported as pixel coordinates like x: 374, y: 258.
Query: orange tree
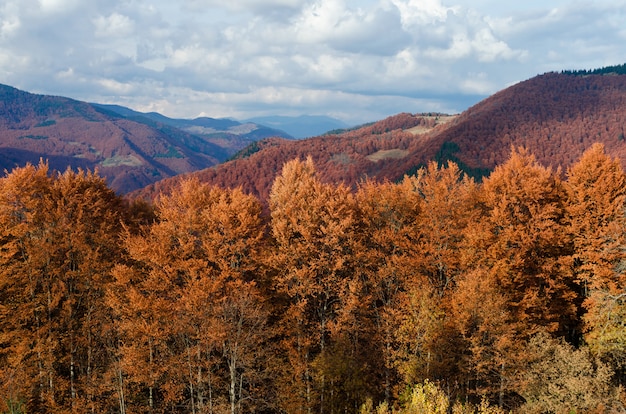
x: 191, y: 317
x: 596, y: 190
x: 59, y: 242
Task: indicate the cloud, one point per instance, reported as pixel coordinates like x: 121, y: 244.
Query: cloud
x: 113, y: 26
x: 10, y: 21
x: 332, y: 23
x: 417, y: 13
x: 58, y: 6
x: 254, y: 6
x: 357, y: 59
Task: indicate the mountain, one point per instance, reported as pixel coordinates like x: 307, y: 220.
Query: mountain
x: 129, y: 148
x: 229, y: 134
x: 556, y: 116
x: 70, y: 133
x: 303, y: 126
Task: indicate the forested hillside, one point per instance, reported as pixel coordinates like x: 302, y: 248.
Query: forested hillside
x: 371, y: 151
x: 555, y: 116
x: 429, y: 294
x: 129, y: 148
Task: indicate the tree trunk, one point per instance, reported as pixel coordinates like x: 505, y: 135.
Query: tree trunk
x: 501, y: 393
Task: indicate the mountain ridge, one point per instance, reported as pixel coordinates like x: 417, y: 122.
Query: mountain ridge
x: 555, y: 116
x: 130, y: 149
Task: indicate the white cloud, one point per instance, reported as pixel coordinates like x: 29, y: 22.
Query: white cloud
x: 423, y: 12
x: 57, y: 6
x: 356, y: 58
x: 255, y: 6
x: 113, y: 26
x: 10, y: 21
x: 477, y: 83
x: 338, y: 25
x: 117, y: 88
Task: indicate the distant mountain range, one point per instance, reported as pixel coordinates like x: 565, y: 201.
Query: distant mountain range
x: 129, y: 148
x: 304, y: 126
x: 229, y: 134
x: 557, y: 116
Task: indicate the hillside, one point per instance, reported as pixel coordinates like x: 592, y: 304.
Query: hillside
x: 129, y: 149
x: 555, y: 116
x: 226, y: 133
x: 339, y: 158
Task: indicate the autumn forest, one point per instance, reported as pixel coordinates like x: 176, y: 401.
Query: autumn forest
x: 435, y: 293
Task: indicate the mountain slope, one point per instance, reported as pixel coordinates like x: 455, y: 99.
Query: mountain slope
x: 370, y: 151
x: 555, y: 116
x: 228, y: 134
x: 70, y: 133
x: 129, y: 148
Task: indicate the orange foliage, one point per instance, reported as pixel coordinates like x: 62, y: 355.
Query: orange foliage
x: 338, y: 296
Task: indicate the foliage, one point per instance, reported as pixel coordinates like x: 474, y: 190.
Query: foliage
x: 432, y: 294
x: 561, y: 379
x: 447, y: 153
x: 429, y: 398
x: 172, y: 152
x: 607, y: 70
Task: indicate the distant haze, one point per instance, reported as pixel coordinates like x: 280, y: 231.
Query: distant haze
x: 301, y: 126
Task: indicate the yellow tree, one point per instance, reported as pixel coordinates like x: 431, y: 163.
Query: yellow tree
x: 596, y: 189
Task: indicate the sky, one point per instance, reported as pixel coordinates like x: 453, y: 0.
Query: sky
x: 357, y: 61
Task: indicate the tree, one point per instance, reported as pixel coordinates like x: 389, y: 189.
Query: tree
x: 426, y: 343
x: 59, y: 242
x: 561, y: 379
x: 449, y: 205
x: 314, y: 226
x: 23, y: 303
x: 596, y: 187
x: 197, y: 265
x: 388, y: 215
x: 429, y: 398
x: 413, y: 234
x: 596, y: 191
x: 488, y: 343
x: 519, y: 250
x: 526, y: 245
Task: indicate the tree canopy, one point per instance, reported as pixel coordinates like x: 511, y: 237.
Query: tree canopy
x: 432, y: 294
